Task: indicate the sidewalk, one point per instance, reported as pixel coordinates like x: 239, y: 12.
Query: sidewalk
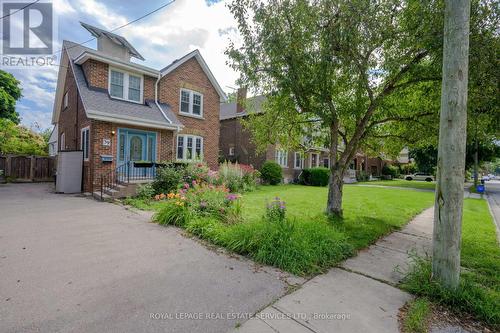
x: 359, y: 296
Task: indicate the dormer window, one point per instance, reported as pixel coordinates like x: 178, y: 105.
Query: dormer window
x: 191, y: 103
x: 125, y: 85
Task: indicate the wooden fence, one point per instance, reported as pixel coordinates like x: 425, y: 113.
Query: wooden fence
x: 20, y: 168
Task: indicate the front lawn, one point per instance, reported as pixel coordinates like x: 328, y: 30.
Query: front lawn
x: 403, y: 183
x: 479, y: 291
x: 307, y: 242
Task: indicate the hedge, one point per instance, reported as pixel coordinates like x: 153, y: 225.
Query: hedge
x: 315, y: 176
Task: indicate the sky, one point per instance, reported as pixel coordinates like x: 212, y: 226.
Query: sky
x: 161, y: 38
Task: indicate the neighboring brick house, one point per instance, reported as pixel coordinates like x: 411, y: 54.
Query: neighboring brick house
x: 236, y: 145
x: 118, y: 111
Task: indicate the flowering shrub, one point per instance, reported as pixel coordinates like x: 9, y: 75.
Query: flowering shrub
x: 199, y: 199
x: 276, y: 210
x: 196, y: 171
x: 237, y: 177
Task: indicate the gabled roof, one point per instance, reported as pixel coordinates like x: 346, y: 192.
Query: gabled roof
x: 100, y: 106
x: 197, y: 55
x: 98, y: 32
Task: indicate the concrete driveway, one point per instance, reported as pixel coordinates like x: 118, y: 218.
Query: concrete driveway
x: 71, y: 264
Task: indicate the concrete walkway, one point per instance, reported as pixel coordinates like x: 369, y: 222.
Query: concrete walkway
x: 359, y: 296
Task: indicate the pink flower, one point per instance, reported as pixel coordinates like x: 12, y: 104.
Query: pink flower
x: 186, y: 185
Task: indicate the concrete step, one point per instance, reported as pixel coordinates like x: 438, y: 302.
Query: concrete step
x: 105, y: 197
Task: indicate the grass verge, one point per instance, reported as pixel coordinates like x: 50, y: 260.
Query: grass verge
x: 479, y: 290
x: 308, y: 243
x: 417, y: 316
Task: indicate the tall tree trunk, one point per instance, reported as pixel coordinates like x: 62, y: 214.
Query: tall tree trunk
x: 452, y: 141
x: 336, y: 181
x: 476, y: 158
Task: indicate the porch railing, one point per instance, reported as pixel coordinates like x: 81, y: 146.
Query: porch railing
x: 125, y: 174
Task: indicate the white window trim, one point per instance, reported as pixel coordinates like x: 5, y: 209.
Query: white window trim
x: 301, y: 156
x: 126, y: 85
x: 231, y: 151
x: 285, y: 157
x: 65, y: 100
x: 190, y: 113
x: 81, y: 142
x: 184, y: 148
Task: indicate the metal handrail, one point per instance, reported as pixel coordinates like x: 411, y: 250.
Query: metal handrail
x: 124, y: 173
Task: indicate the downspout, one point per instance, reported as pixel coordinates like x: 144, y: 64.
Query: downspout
x: 158, y: 104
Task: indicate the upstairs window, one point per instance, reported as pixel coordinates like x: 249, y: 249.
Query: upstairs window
x: 189, y: 148
x: 191, y: 103
x: 124, y: 85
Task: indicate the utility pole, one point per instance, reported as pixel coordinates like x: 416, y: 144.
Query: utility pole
x: 452, y: 142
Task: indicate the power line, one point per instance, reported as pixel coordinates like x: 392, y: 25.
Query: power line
x: 122, y: 26
x: 22, y: 8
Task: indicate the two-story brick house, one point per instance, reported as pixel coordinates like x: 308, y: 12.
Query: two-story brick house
x: 236, y: 145
x: 117, y: 111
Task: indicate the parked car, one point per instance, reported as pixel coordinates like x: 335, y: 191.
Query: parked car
x: 420, y: 176
x: 486, y: 178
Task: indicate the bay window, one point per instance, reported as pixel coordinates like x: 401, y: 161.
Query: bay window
x: 189, y: 147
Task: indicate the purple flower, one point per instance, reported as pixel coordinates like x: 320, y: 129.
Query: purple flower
x: 186, y: 186
x: 231, y: 197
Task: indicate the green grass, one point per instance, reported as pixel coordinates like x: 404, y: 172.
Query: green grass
x: 479, y: 291
x: 403, y: 183
x: 309, y: 243
x: 416, y: 319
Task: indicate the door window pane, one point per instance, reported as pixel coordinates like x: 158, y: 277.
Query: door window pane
x: 135, y: 148
x: 121, y: 152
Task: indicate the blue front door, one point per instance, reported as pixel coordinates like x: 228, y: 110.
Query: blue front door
x: 135, y: 146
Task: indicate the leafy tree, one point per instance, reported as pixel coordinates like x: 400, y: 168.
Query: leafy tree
x: 366, y: 73
x: 10, y: 92
x: 17, y: 139
x: 337, y: 64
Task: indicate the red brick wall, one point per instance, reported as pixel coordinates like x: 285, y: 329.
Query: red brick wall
x: 96, y: 73
x: 190, y: 75
x: 71, y: 120
x: 149, y: 87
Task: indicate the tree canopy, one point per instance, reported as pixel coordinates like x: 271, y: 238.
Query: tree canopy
x: 362, y: 74
x: 10, y: 92
x: 17, y: 139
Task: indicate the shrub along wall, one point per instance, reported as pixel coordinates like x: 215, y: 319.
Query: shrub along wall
x: 315, y: 176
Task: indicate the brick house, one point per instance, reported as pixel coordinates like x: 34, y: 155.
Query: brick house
x: 236, y: 145
x: 117, y: 111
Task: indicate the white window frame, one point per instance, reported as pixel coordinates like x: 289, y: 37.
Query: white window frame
x: 65, y: 100
x: 281, y: 157
x: 62, y: 142
x: 184, y: 148
x: 300, y: 157
x: 190, y: 112
x: 231, y: 151
x: 82, y: 142
x: 126, y: 76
